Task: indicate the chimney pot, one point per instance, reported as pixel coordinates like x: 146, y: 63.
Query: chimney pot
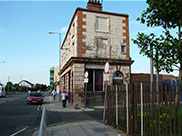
x: 94, y: 5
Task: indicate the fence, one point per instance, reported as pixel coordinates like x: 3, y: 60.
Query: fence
x: 137, y: 111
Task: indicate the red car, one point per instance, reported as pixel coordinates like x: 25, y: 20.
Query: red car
x: 35, y: 98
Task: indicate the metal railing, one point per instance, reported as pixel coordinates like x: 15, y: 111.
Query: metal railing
x: 42, y: 129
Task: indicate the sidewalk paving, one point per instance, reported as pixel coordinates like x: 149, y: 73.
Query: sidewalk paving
x: 80, y: 128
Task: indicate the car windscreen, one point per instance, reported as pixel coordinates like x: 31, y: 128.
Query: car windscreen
x: 36, y: 94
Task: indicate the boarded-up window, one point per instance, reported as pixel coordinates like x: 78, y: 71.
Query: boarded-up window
x: 101, y: 48
x: 102, y: 24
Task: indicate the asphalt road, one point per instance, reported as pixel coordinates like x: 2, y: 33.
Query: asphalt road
x: 19, y: 119
x: 16, y: 117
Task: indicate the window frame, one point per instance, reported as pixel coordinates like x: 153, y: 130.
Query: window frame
x: 122, y: 45
x: 97, y: 24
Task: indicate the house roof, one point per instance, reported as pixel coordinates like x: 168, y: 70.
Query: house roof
x: 25, y: 82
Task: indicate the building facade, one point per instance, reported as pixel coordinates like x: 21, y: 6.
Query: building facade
x: 51, y: 78
x: 93, y: 38
x: 145, y: 77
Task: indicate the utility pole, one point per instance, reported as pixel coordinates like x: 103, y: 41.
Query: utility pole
x: 151, y: 79
x: 157, y: 75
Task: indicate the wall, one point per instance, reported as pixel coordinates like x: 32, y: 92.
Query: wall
x: 78, y: 84
x: 70, y: 44
x: 56, y: 76
x: 118, y: 34
x: 145, y: 77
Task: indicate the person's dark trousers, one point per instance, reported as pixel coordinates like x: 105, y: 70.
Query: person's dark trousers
x: 64, y: 103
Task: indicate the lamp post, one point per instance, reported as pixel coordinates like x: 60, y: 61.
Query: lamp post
x: 59, y: 56
x: 59, y: 46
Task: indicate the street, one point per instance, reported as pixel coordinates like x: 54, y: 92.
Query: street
x: 18, y: 118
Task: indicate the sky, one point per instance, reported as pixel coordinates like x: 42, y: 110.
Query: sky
x: 29, y: 51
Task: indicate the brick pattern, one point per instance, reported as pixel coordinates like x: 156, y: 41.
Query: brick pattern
x: 80, y: 35
x: 93, y: 6
x: 78, y: 85
x: 142, y: 77
x: 126, y: 34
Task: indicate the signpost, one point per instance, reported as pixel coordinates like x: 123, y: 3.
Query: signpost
x: 106, y: 79
x: 86, y: 81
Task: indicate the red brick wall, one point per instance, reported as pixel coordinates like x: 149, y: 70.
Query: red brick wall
x: 94, y: 6
x: 141, y: 77
x: 80, y: 35
x: 126, y: 34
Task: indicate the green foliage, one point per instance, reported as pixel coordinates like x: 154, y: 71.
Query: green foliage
x: 17, y: 87
x: 164, y: 54
x: 167, y: 48
x: 165, y: 13
x: 9, y: 86
x: 40, y: 87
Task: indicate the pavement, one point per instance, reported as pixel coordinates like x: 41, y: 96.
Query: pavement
x: 82, y: 127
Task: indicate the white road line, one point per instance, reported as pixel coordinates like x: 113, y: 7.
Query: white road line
x: 19, y: 131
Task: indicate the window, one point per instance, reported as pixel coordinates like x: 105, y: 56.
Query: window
x: 98, y: 80
x: 102, y: 24
x: 95, y: 80
x: 101, y: 47
x: 123, y: 49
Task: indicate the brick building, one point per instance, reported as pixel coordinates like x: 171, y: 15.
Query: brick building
x: 145, y: 77
x: 94, y: 37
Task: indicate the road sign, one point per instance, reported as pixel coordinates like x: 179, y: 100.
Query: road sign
x: 106, y: 68
x: 86, y: 74
x: 86, y: 80
x: 106, y: 77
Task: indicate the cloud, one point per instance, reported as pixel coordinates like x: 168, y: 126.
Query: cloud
x: 64, y: 29
x: 134, y: 22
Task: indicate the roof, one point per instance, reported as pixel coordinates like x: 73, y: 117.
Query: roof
x: 25, y: 82
x: 93, y: 11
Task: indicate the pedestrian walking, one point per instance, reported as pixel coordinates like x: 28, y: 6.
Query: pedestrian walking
x: 54, y: 94
x: 64, y: 97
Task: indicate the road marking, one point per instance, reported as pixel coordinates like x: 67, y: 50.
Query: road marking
x: 39, y: 108
x: 19, y: 131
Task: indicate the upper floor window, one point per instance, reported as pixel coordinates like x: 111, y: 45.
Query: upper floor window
x: 102, y: 24
x: 123, y: 48
x: 101, y: 47
x: 73, y: 30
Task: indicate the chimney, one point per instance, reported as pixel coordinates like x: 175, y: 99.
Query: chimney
x: 94, y: 5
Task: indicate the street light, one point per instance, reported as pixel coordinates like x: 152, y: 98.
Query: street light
x: 59, y: 46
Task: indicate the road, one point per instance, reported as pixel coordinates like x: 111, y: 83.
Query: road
x: 16, y: 117
x: 19, y: 119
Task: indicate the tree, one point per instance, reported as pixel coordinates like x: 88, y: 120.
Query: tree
x: 168, y: 15
x: 40, y: 87
x: 17, y: 87
x: 9, y: 86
